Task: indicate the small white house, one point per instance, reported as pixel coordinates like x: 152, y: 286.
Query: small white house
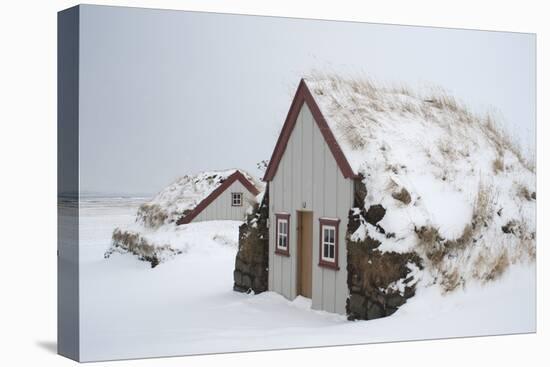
x: 311, y: 188
x: 228, y: 197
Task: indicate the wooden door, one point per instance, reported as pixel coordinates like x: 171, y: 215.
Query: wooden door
x: 305, y: 258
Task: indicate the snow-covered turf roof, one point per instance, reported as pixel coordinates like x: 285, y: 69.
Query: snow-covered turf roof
x: 187, y: 192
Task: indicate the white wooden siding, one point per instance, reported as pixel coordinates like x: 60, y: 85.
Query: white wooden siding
x: 308, y: 174
x: 221, y: 208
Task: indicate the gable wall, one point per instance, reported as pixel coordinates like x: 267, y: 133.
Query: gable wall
x: 308, y: 173
x: 221, y: 209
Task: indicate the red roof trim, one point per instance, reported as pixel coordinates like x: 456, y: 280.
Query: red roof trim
x: 237, y: 176
x: 303, y: 95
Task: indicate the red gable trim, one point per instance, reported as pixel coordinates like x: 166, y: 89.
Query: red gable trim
x: 303, y: 95
x: 237, y: 176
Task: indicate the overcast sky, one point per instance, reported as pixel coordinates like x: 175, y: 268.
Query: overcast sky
x: 166, y: 93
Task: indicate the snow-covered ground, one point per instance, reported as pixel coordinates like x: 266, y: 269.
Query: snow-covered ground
x: 187, y: 306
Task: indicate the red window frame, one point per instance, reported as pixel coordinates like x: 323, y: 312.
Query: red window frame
x: 329, y: 222
x: 279, y: 251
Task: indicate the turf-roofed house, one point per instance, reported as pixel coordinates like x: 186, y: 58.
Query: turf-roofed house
x: 231, y: 196
x: 161, y: 229
x: 374, y: 191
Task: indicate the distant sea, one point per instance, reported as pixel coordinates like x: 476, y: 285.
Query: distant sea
x: 88, y: 200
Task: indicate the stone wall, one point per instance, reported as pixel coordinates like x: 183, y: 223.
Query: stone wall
x: 379, y: 282
x: 251, y: 263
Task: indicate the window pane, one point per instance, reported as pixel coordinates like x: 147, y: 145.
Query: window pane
x: 331, y: 240
x: 331, y: 252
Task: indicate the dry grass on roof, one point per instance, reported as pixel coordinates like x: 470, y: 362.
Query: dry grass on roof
x: 359, y: 103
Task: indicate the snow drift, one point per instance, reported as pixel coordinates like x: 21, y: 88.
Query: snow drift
x: 454, y: 187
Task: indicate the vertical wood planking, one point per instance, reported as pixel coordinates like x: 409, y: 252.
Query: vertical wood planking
x: 309, y: 173
x: 296, y: 197
x: 287, y: 206
x: 221, y: 208
x: 307, y: 158
x: 318, y: 163
x: 330, y: 192
x: 271, y: 257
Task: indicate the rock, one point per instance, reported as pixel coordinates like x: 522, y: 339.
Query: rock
x: 409, y: 292
x: 251, y: 264
x: 509, y: 228
x: 356, y: 307
x: 246, y: 281
x: 237, y: 277
x: 258, y: 285
x: 390, y: 310
x: 354, y: 221
x: 238, y: 263
x: 380, y: 229
x: 245, y: 268
x: 371, y: 272
x: 360, y: 191
x: 356, y: 302
x: 258, y: 270
x: 372, y: 243
x: 375, y: 214
x: 374, y: 310
x: 402, y: 196
x: 395, y: 300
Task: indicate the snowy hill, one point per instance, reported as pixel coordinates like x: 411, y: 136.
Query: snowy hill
x: 455, y: 189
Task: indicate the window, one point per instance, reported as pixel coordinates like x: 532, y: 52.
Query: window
x: 328, y: 243
x: 236, y: 199
x: 282, y: 238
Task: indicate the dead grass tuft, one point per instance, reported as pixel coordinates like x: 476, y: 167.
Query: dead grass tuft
x: 451, y: 280
x: 524, y: 193
x: 446, y: 148
x: 502, y: 141
x: 134, y: 243
x: 498, y: 165
x: 483, y: 207
x: 402, y: 196
x: 443, y: 101
x: 488, y: 266
x: 498, y: 266
x: 151, y: 215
